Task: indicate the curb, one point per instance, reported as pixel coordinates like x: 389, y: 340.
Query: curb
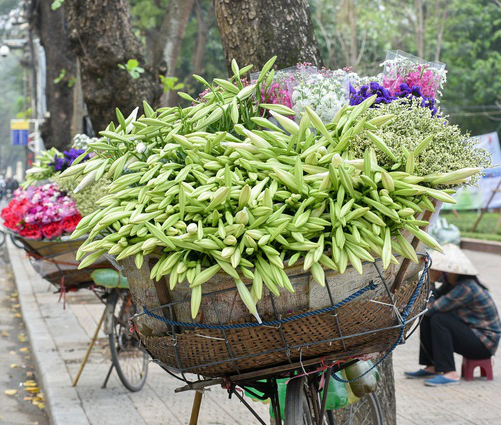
x: 491, y: 247
x: 55, y: 383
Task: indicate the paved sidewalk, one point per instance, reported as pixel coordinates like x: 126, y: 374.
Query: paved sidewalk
x: 60, y: 337
x: 477, y: 402
x: 18, y: 405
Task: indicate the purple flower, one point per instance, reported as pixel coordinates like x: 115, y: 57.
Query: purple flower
x: 62, y: 163
x: 374, y: 88
x: 384, y: 96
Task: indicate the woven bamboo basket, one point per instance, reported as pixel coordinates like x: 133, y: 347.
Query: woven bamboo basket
x: 366, y: 324
x: 56, y: 262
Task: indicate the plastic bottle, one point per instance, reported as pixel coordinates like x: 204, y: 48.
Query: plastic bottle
x: 352, y: 398
x: 365, y: 385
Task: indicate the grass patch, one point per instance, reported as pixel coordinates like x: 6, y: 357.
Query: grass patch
x: 466, y: 220
x: 482, y: 236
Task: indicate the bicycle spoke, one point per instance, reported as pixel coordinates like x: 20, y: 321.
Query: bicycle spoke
x: 131, y: 360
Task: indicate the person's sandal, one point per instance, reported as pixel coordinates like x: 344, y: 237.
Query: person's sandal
x: 441, y: 381
x: 421, y: 373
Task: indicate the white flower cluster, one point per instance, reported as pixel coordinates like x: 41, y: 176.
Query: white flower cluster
x: 324, y: 94
x: 80, y: 141
x: 358, y: 81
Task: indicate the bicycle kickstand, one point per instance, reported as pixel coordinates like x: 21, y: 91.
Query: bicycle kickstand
x: 108, y: 376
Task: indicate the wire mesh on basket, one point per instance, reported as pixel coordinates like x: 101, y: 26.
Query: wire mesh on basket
x: 353, y: 326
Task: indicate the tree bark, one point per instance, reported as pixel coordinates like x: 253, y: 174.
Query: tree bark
x: 102, y: 36
x: 51, y: 28
x: 386, y: 392
x: 252, y: 31
x: 440, y: 33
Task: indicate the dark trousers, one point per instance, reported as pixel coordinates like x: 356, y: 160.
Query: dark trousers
x: 442, y: 335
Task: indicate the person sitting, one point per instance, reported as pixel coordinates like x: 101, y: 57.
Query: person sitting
x: 462, y: 318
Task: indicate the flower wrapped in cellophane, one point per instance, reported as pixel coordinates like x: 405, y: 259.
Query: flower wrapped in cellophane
x: 324, y: 91
x: 402, y: 69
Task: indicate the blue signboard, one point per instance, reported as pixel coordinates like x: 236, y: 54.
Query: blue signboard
x: 20, y: 132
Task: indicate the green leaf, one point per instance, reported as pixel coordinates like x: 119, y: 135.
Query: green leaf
x: 56, y: 4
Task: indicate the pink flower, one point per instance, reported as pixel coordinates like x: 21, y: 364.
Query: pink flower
x: 39, y: 211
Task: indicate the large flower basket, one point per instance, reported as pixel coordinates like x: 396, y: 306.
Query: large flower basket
x: 353, y: 315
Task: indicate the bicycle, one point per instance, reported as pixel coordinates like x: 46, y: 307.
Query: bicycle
x: 240, y: 359
x: 304, y: 406
x: 130, y: 362
x: 3, y: 238
x: 305, y: 401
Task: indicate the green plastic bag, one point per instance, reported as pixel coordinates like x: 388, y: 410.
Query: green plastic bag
x: 337, y: 394
x: 282, y: 391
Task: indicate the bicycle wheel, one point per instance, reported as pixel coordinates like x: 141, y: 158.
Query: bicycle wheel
x: 366, y: 411
x: 16, y: 242
x: 297, y: 407
x: 130, y: 361
x: 2, y: 238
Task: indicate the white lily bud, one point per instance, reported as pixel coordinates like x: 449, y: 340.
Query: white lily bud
x: 141, y: 147
x: 192, y: 228
x: 242, y: 217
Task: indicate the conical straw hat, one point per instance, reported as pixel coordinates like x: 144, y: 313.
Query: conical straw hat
x: 453, y: 260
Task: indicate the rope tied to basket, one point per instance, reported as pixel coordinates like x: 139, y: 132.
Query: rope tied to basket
x: 370, y: 287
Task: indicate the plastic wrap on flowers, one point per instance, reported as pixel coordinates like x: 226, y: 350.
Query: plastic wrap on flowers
x: 405, y: 79
x: 403, y: 68
x: 325, y: 91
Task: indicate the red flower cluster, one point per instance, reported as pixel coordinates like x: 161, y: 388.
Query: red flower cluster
x: 14, y: 216
x: 70, y: 223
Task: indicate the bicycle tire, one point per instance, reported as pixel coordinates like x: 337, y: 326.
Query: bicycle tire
x: 16, y: 243
x: 2, y: 238
x: 374, y: 412
x: 118, y: 333
x: 297, y: 409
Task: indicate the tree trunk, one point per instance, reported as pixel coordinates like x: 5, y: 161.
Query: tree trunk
x: 386, y: 392
x: 170, y: 38
x: 60, y: 61
x: 102, y: 37
x: 420, y: 27
x: 440, y: 34
x: 252, y: 31
x: 202, y: 33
